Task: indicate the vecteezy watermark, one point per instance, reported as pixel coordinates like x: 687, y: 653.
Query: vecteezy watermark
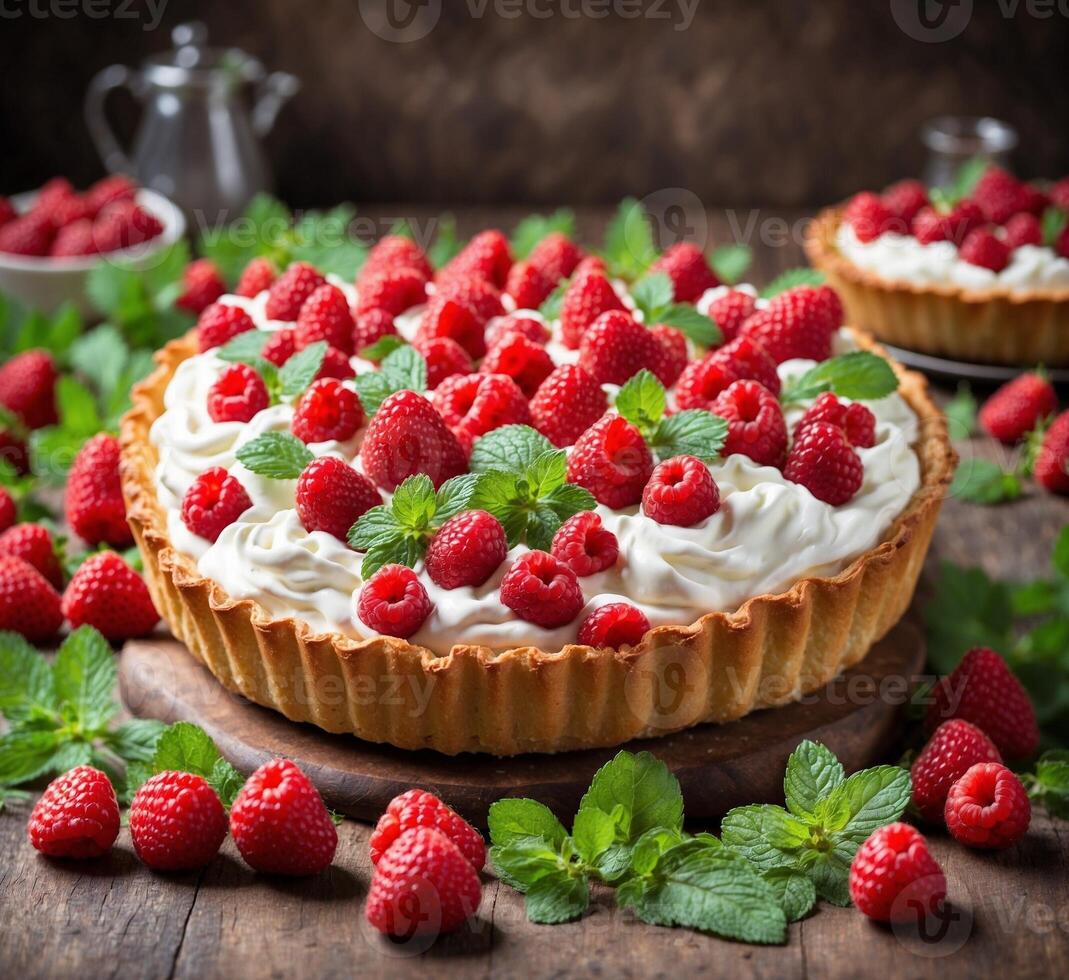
x: 149, y: 12
x: 401, y: 21
x: 935, y: 21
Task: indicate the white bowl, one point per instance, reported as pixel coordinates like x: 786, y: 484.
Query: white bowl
x: 43, y: 283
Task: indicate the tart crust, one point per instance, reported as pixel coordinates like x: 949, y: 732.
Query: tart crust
x: 987, y: 326
x: 772, y: 650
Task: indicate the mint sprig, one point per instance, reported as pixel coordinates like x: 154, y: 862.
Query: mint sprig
x: 276, y: 455
x: 961, y: 412
x: 692, y: 432
x: 523, y: 481
x: 653, y: 296
x: 981, y: 481
x: 532, y: 229
x: 403, y: 369
x: 551, y: 305
x: 1053, y: 224
x: 790, y: 279
x: 629, y: 249
x: 730, y: 262
x: 288, y: 381
x: 446, y: 244
x: 399, y: 532
x: 859, y: 376
x: 1048, y: 784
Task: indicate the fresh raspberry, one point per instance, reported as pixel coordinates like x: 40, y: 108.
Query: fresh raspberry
x: 615, y: 347
x: 109, y: 595
x: 522, y: 359
x: 177, y: 822
x: 336, y: 364
x: 257, y: 276
x: 477, y: 295
x: 868, y: 216
x: 1061, y: 244
x: 731, y: 311
x: 487, y: 256
x: 929, y: 226
x: 422, y: 886
x: 289, y: 291
x: 70, y: 210
x: 33, y: 543
x: 445, y: 317
x: 396, y: 252
x: 14, y: 452
x: 202, y: 285
x: 952, y: 750
x: 477, y: 403
x: 94, y: 504
x: 7, y: 211
x: 28, y: 603
x: 328, y: 410
x: 755, y: 422
x: 681, y: 491
x: 894, y: 878
x: 528, y: 326
x: 612, y: 460
x: 418, y: 808
x: 408, y: 436
x: 556, y: 257
x: 1023, y: 229
x: 237, y: 395
x: 542, y: 590
x: 702, y: 381
x: 856, y: 420
x: 280, y: 824
x: 988, y: 808
x: 214, y: 500
x: 983, y: 691
x: 325, y: 315
x: 586, y: 298
x: 74, y: 240
x: 589, y: 264
x: 687, y: 267
x: 1015, y: 409
x: 108, y: 190
x: 124, y: 224
x: 822, y: 461
x: 394, y: 602
x: 669, y: 355
x: 77, y: 816
x: 999, y: 195
x: 904, y: 200
x: 27, y: 388
x: 932, y: 226
x: 566, y: 404
x: 527, y: 285
x: 8, y: 511
x: 1034, y: 200
x: 444, y: 357
x: 617, y: 624
x: 794, y: 324
x: 747, y: 358
x: 53, y: 190
x: 584, y: 545
x: 1059, y: 193
x: 393, y: 290
x: 332, y: 496
x: 983, y: 248
x: 466, y: 550
x: 1052, y: 459
x: 370, y: 326
x: 219, y: 323
x: 28, y: 234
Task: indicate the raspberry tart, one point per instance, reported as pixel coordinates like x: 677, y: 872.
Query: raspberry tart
x: 979, y: 273
x: 499, y: 506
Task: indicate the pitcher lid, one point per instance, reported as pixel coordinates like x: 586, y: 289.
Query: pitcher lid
x: 194, y: 64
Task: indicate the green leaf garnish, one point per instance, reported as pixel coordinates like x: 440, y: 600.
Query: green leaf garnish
x: 980, y: 481
x: 653, y: 296
x: 403, y: 369
x: 446, y: 243
x: 529, y: 232
x: 629, y: 249
x: 859, y: 375
x: 790, y: 279
x: 276, y: 455
x: 730, y: 262
x: 383, y: 346
x: 300, y: 369
x: 693, y: 432
x: 185, y: 747
x: 961, y: 413
x: 1053, y: 224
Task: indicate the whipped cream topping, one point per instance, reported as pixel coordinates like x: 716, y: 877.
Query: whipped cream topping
x: 767, y: 534
x: 902, y: 257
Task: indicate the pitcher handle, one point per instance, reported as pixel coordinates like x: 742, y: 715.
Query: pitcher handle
x: 96, y: 118
x: 272, y: 94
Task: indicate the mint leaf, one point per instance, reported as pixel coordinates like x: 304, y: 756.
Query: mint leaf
x: 300, y: 370
x: 510, y: 448
x: 557, y: 898
x: 961, y: 413
x: 644, y: 787
x: 514, y: 819
x: 642, y: 401
x: 186, y: 747
x: 26, y: 753
x: 8, y: 796
x: 383, y: 346
x: 692, y: 432
x: 413, y: 502
x: 403, y: 369
x: 136, y: 740
x: 26, y: 688
x: 697, y: 327
x: 1053, y: 224
x: 794, y: 892
x: 859, y: 375
x: 1049, y: 784
x: 525, y: 860
x: 967, y: 610
x: 629, y: 248
x: 766, y: 835
x: 980, y: 481
x: 276, y: 455
x: 551, y: 305
x: 790, y: 279
x: 245, y: 348
x: 446, y: 243
x: 874, y: 798
x: 652, y: 293
x: 84, y: 674
x: 965, y: 180
x: 730, y: 262
x: 813, y: 772
x: 532, y: 229
x: 594, y: 831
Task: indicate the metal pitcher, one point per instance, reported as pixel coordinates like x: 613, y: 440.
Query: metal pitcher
x: 205, y: 111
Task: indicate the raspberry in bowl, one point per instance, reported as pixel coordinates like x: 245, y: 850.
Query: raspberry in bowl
x: 51, y: 238
x: 525, y: 507
x: 978, y: 273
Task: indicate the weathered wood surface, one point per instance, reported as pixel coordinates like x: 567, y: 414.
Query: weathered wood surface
x: 114, y: 918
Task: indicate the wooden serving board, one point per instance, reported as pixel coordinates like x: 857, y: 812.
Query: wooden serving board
x: 718, y: 766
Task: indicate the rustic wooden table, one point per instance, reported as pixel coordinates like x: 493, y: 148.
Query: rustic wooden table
x: 115, y: 918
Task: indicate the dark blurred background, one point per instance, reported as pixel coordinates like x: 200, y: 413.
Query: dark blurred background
x: 792, y: 103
